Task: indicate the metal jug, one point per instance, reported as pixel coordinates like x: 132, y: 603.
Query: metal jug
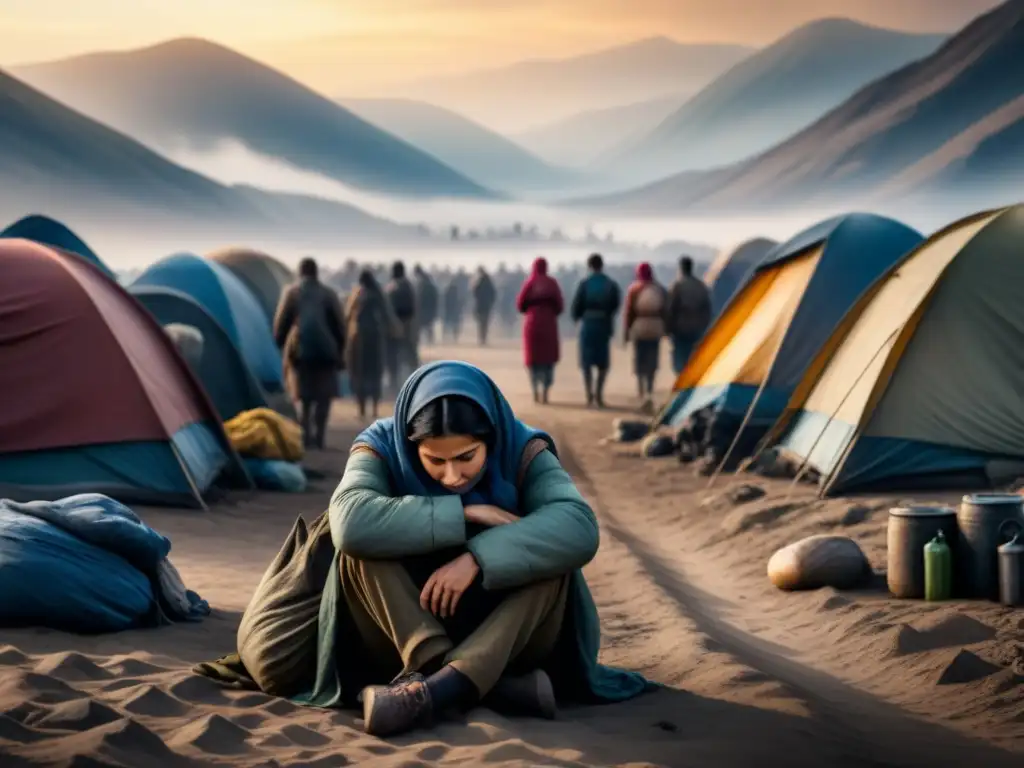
x: 1011, y: 567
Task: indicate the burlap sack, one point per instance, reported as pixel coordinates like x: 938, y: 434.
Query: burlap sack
x: 277, y: 637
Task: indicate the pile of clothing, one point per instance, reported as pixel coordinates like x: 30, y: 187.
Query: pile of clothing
x: 271, y: 447
x: 87, y: 564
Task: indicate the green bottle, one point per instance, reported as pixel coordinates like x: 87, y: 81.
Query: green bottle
x: 938, y: 569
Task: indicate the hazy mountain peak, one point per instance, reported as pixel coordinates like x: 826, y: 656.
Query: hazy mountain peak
x: 770, y: 95
x: 195, y: 93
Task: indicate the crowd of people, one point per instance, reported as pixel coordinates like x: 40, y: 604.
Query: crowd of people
x: 372, y: 325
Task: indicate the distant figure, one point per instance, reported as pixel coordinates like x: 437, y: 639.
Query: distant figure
x: 451, y: 312
x: 644, y: 325
x: 403, y: 356
x: 367, y: 331
x: 594, y: 306
x: 484, y: 296
x: 540, y: 300
x: 507, y: 288
x: 426, y: 304
x: 689, y: 313
x: 309, y: 328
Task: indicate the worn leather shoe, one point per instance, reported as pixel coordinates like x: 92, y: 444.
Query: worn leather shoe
x: 398, y: 707
x: 531, y: 694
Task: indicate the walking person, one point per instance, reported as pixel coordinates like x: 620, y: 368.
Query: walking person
x: 484, y: 296
x: 452, y: 320
x: 540, y: 301
x: 367, y: 328
x: 309, y: 329
x: 594, y: 305
x: 426, y: 304
x: 402, y: 355
x: 644, y: 325
x: 689, y: 313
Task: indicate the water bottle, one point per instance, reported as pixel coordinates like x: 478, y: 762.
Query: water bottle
x: 938, y: 569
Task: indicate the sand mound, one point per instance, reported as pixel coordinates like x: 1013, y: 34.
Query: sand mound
x: 831, y: 600
x: 130, y: 666
x: 78, y: 715
x: 947, y: 630
x: 124, y: 741
x: 965, y: 667
x: 213, y: 734
x: 198, y: 690
x: 39, y: 689
x: 740, y: 520
x: 72, y: 668
x: 303, y: 736
x: 150, y: 701
x: 13, y: 731
x: 11, y: 656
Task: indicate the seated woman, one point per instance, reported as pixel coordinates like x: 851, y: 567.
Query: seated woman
x: 458, y: 540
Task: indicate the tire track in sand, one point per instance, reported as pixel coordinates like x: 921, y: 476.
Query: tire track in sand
x: 865, y: 731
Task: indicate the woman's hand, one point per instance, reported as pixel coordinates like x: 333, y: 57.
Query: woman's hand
x: 488, y: 515
x: 446, y: 585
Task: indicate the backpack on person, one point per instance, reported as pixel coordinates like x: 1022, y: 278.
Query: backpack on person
x: 316, y: 342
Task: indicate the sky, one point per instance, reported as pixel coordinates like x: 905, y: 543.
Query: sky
x: 352, y: 47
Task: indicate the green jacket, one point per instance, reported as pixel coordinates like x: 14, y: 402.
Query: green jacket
x: 557, y: 535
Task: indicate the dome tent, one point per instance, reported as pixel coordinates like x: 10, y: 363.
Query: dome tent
x: 751, y: 359
x: 920, y: 386
x: 230, y: 303
x: 47, y: 231
x: 96, y: 397
x: 264, y: 275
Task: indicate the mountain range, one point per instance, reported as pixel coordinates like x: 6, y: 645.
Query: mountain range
x: 197, y: 94
x: 58, y: 161
x: 768, y: 96
x: 529, y: 94
x: 950, y: 124
x: 581, y: 139
x: 468, y: 147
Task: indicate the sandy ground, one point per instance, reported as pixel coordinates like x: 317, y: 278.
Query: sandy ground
x: 821, y: 678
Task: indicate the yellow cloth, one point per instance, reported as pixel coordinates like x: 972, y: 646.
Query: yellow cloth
x: 265, y: 434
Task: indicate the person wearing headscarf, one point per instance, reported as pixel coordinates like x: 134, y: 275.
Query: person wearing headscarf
x: 309, y: 330
x: 368, y: 320
x: 594, y: 306
x: 448, y: 575
x: 540, y: 301
x: 644, y: 325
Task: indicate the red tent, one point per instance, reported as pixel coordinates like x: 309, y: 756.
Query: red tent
x: 94, y: 397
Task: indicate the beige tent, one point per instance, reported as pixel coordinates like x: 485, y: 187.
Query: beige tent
x: 731, y: 268
x: 922, y: 384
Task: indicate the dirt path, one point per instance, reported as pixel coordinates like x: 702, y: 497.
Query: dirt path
x: 744, y: 682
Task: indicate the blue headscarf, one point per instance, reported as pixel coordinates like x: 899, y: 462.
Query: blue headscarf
x: 387, y: 437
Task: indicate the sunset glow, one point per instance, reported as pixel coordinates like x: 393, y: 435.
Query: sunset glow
x: 354, y: 47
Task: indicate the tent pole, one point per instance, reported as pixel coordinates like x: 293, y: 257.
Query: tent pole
x: 188, y: 476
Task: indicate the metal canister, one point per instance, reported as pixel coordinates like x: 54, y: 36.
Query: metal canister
x: 909, y: 530
x: 938, y: 569
x: 980, y: 520
x: 1011, y: 570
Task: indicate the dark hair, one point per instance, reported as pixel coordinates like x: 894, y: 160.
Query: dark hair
x: 595, y: 262
x: 367, y: 280
x: 398, y: 270
x: 307, y: 267
x: 450, y: 415
x: 686, y: 265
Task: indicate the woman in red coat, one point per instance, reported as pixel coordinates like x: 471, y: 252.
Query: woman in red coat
x: 540, y: 300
